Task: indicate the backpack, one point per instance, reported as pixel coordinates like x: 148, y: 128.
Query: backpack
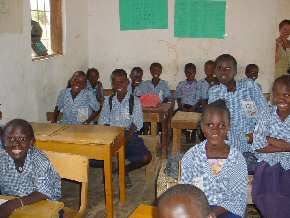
x: 131, y: 103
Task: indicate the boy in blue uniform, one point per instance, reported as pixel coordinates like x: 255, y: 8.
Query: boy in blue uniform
x: 78, y: 104
x: 245, y: 101
x: 25, y: 171
x: 156, y: 86
x: 252, y: 73
x: 94, y: 85
x: 136, y: 76
x: 124, y: 110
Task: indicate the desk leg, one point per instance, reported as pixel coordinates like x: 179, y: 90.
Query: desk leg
x: 121, y: 158
x: 164, y: 137
x: 176, y: 141
x: 108, y: 182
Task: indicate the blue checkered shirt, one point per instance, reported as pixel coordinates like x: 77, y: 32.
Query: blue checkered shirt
x: 60, y: 97
x: 241, y: 122
x: 95, y: 90
x: 187, y: 92
x: 119, y: 115
x: 38, y: 176
x: 70, y: 107
x: 162, y: 89
x: 136, y: 90
x: 203, y: 87
x: 269, y: 124
x: 228, y: 189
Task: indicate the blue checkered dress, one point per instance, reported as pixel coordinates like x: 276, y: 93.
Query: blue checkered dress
x: 136, y: 90
x: 119, y: 115
x: 95, y: 90
x: 162, y: 89
x: 70, y: 107
x: 187, y: 92
x: 241, y: 122
x: 38, y: 176
x: 269, y: 124
x: 203, y: 87
x: 228, y: 189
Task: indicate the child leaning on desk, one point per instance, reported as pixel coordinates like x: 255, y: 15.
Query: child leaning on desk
x: 25, y: 171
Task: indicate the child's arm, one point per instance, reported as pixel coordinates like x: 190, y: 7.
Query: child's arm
x: 104, y: 118
x: 8, y: 207
x: 167, y: 93
x: 218, y: 211
x: 275, y: 145
x: 59, y: 105
x: 95, y: 106
x: 101, y: 93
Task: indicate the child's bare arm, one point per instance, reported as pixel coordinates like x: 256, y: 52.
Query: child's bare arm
x: 275, y: 145
x: 219, y: 211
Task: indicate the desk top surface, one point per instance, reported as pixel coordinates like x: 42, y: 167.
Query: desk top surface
x: 41, y: 209
x: 144, y: 211
x: 162, y: 108
x: 181, y: 116
x: 46, y: 129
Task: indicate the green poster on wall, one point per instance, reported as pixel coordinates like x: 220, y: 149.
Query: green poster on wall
x: 143, y: 14
x: 200, y: 18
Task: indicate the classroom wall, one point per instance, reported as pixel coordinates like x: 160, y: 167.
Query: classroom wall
x: 251, y: 28
x: 29, y: 88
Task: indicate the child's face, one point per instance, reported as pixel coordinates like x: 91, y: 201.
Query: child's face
x: 155, y: 71
x: 215, y: 127
x: 285, y: 31
x: 252, y: 73
x: 93, y: 77
x: 209, y: 70
x: 120, y: 84
x: 179, y: 207
x: 281, y: 97
x: 225, y: 71
x: 17, y: 144
x: 190, y: 73
x: 78, y: 83
x: 136, y: 78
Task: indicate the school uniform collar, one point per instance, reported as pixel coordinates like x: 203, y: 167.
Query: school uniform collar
x: 275, y: 113
x: 127, y: 96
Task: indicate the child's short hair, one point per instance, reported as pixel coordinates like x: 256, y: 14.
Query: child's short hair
x: 137, y: 69
x: 78, y: 73
x: 118, y: 72
x: 226, y: 57
x: 218, y: 105
x: 188, y: 66
x: 91, y: 70
x: 155, y: 64
x: 282, y: 80
x: 18, y: 123
x: 196, y: 196
x: 251, y: 66
x: 283, y: 23
x: 209, y: 62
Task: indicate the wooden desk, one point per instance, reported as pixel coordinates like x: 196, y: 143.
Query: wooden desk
x: 183, y: 120
x: 41, y: 209
x: 45, y: 130
x: 144, y: 211
x: 161, y: 114
x: 95, y: 142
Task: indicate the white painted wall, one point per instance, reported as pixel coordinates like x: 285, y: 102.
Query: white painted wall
x: 251, y: 28
x: 29, y: 88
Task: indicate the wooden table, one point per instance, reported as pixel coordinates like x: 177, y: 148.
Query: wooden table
x: 94, y: 141
x: 41, y: 209
x: 144, y: 211
x: 183, y: 120
x: 161, y: 114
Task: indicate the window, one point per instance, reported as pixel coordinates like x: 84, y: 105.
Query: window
x: 46, y: 27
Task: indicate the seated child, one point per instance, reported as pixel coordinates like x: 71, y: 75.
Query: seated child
x: 216, y: 167
x: 136, y: 76
x: 245, y: 101
x: 271, y: 187
x: 186, y: 91
x: 78, y: 104
x: 184, y: 201
x: 155, y: 86
x: 94, y: 85
x: 124, y: 110
x: 209, y: 81
x: 25, y: 171
x: 252, y: 71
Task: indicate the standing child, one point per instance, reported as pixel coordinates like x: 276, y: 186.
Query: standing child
x: 156, y: 86
x: 209, y: 81
x: 25, y: 171
x: 252, y: 73
x: 94, y: 85
x: 124, y: 110
x: 244, y: 100
x: 271, y: 187
x: 136, y: 76
x: 186, y: 91
x: 184, y: 201
x: 78, y: 104
x: 216, y: 167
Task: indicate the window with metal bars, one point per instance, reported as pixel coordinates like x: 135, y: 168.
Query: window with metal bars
x: 46, y: 27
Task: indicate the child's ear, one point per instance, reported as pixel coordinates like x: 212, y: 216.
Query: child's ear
x: 32, y: 142
x: 211, y: 215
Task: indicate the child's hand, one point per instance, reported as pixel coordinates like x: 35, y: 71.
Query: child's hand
x: 250, y: 138
x: 8, y: 207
